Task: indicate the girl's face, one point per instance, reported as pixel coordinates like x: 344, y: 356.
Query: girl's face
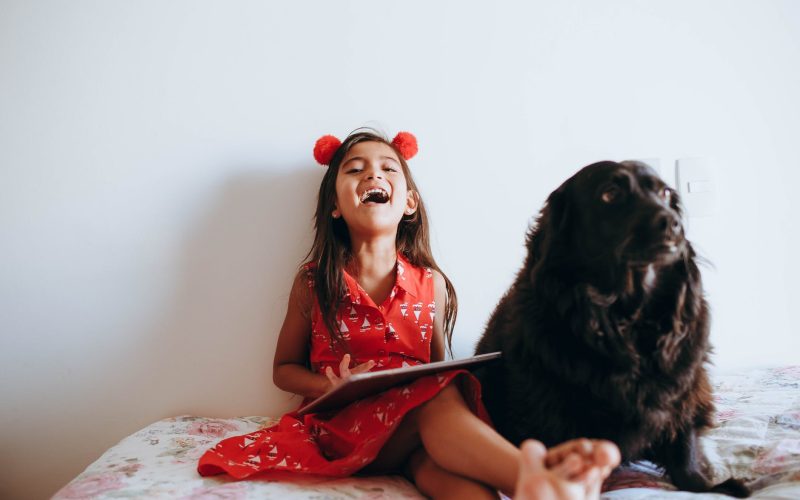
x: 371, y: 190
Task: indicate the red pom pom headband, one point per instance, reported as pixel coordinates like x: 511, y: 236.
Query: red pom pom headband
x: 326, y: 147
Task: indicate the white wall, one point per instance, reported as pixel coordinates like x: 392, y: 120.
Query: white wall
x: 156, y: 180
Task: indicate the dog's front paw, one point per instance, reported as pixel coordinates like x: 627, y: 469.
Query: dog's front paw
x: 732, y: 487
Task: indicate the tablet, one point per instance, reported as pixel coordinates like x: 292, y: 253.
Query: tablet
x: 367, y: 384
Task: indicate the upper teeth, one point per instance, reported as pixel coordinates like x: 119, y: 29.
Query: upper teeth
x: 366, y: 194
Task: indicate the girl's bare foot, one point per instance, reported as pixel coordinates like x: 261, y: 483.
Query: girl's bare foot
x: 574, y: 470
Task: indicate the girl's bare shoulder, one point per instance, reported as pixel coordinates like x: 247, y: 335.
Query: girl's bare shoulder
x: 302, y: 293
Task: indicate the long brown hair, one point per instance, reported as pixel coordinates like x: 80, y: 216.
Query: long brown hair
x: 331, y: 250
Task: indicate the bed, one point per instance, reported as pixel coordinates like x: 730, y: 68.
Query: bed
x: 757, y: 438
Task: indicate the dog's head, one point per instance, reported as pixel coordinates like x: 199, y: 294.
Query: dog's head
x: 610, y: 216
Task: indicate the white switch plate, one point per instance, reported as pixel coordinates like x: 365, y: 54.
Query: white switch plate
x: 697, y: 186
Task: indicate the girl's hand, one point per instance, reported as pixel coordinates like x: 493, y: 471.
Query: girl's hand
x: 345, y: 372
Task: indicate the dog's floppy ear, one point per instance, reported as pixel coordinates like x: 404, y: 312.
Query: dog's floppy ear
x: 690, y: 312
x: 550, y: 234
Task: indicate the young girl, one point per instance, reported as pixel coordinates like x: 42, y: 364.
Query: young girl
x: 372, y: 297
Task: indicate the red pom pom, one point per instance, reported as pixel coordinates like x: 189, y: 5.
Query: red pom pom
x: 325, y: 148
x: 406, y: 143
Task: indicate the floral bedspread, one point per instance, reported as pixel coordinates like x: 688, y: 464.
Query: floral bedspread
x: 757, y: 439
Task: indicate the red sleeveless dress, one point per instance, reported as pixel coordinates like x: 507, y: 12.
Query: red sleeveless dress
x: 338, y: 443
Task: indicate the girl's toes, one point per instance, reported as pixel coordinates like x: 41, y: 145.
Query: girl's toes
x: 606, y: 455
x: 570, y: 467
x: 559, y: 452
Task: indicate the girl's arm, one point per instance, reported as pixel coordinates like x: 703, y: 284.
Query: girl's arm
x: 289, y: 368
x: 440, y: 299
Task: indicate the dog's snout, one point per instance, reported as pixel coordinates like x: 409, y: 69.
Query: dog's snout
x: 667, y: 224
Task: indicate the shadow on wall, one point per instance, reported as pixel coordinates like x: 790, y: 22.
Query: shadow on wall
x: 209, y: 350
x: 212, y: 352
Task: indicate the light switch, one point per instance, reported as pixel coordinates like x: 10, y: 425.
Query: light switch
x: 696, y: 185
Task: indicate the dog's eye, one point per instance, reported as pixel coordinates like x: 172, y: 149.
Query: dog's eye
x: 611, y: 194
x: 666, y: 194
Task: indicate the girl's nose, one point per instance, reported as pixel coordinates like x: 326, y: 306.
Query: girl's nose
x: 374, y: 174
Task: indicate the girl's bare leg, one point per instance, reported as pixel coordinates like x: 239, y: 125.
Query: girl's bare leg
x: 439, y: 484
x: 404, y: 452
x: 461, y: 451
x: 461, y: 443
x: 455, y: 441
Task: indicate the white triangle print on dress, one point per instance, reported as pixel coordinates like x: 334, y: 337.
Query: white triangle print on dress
x: 365, y: 325
x: 417, y: 310
x: 390, y: 334
x: 342, y: 327
x: 282, y: 463
x: 248, y: 442
x: 256, y: 459
x: 403, y: 309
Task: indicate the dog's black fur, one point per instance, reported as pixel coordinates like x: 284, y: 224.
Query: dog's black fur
x: 604, y: 332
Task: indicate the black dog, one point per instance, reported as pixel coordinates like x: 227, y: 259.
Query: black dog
x: 604, y: 332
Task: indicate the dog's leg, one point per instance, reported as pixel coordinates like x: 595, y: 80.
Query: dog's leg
x: 685, y: 464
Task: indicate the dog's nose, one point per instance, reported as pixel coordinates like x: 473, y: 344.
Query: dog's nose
x: 667, y: 224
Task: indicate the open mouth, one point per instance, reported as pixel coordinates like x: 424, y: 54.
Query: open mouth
x: 666, y: 247
x: 375, y: 195
x: 662, y: 252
